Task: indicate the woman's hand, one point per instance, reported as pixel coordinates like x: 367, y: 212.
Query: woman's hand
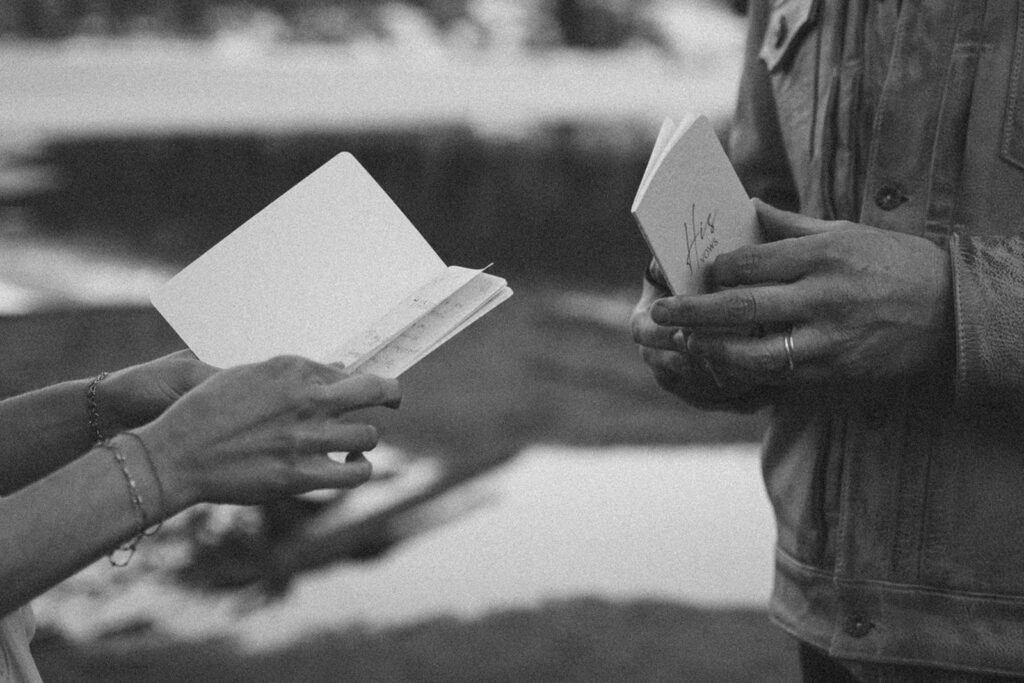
x: 255, y: 432
x: 135, y: 395
x: 663, y: 349
x: 864, y: 305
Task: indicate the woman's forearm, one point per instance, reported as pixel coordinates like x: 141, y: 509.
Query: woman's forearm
x: 64, y: 521
x: 43, y: 430
x: 245, y: 435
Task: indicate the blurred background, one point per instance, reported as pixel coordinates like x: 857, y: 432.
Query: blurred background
x: 541, y: 510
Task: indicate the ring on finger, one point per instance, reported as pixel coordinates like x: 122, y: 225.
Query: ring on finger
x: 788, y: 341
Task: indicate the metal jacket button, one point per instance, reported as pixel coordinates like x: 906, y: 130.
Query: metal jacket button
x: 857, y: 626
x: 889, y: 197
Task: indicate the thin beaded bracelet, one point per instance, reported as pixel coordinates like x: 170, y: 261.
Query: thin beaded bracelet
x: 156, y: 477
x: 128, y: 549
x: 94, y: 411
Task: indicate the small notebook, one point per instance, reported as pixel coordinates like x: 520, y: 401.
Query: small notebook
x: 331, y: 270
x: 691, y: 206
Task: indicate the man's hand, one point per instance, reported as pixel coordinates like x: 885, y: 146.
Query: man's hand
x: 663, y: 349
x: 864, y: 305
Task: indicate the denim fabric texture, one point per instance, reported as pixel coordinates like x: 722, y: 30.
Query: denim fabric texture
x: 900, y: 509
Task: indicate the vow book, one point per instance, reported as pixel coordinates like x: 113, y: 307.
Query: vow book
x: 331, y: 270
x: 691, y: 206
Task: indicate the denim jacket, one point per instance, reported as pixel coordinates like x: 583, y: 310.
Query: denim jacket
x: 900, y: 513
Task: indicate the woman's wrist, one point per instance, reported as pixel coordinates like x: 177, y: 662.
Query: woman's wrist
x: 110, y: 406
x: 163, y: 458
x: 141, y: 488
x: 99, y: 429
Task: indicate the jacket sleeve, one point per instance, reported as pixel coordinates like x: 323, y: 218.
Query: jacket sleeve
x: 988, y: 296
x: 755, y: 139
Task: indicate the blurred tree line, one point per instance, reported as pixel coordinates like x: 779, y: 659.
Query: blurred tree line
x: 592, y: 24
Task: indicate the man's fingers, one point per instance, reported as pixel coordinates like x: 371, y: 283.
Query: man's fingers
x: 759, y: 264
x: 739, y: 307
x: 655, y: 276
x: 779, y: 225
x: 666, y: 363
x: 787, y: 255
x: 679, y: 372
x: 647, y: 333
x: 759, y: 357
x: 766, y: 359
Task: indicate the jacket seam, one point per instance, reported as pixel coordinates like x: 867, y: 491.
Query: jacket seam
x: 1012, y: 96
x: 787, y: 558
x: 960, y: 386
x: 883, y: 100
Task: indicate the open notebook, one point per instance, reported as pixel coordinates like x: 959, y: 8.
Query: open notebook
x: 331, y: 270
x: 690, y: 205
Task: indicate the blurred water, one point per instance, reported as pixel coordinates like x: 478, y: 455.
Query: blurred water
x: 686, y: 524
x: 39, y: 272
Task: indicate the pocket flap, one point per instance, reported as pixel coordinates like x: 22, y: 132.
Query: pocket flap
x: 788, y: 22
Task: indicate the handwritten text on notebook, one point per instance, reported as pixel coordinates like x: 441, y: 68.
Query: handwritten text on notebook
x: 690, y: 206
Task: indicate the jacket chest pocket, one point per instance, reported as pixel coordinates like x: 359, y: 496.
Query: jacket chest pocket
x: 789, y: 51
x: 788, y: 25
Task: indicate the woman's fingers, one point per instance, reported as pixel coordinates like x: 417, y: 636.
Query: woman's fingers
x: 321, y: 471
x: 323, y: 436
x: 358, y: 391
x: 328, y: 388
